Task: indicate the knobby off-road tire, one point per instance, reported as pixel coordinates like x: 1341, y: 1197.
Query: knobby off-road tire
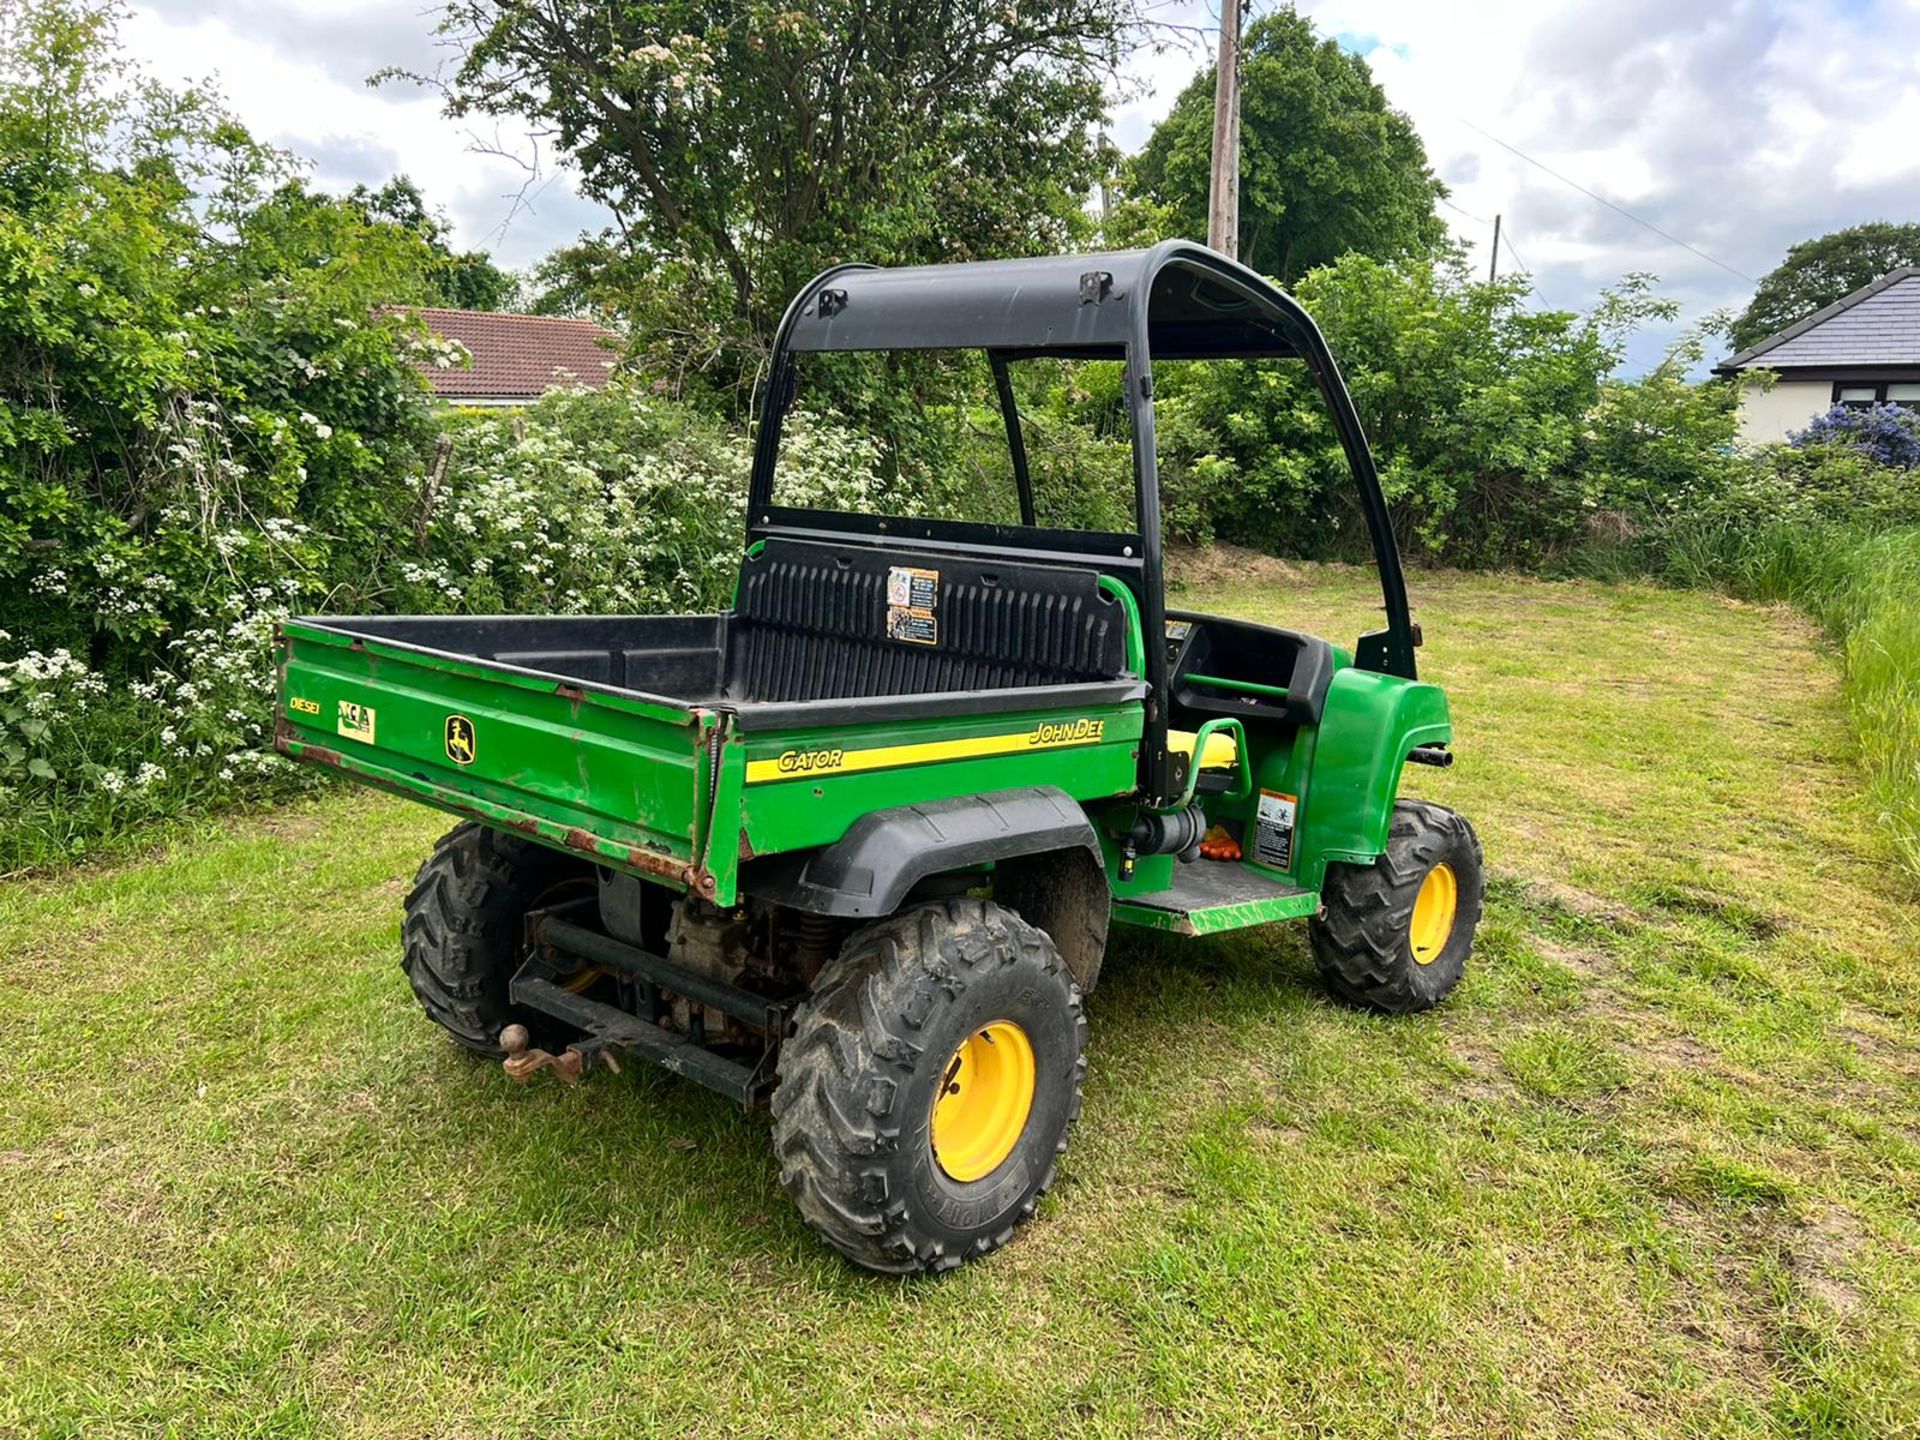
x: 873, y: 1048
x: 463, y: 936
x: 1365, y: 936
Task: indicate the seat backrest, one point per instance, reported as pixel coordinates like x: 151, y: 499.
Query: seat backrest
x: 819, y: 621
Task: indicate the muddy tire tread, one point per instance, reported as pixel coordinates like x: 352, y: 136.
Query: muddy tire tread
x: 853, y: 1048
x: 1359, y: 937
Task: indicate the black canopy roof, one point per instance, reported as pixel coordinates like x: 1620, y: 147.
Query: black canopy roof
x: 1176, y: 301
x: 1199, y: 306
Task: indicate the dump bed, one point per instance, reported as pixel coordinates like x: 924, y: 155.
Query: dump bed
x: 455, y: 713
x: 624, y: 739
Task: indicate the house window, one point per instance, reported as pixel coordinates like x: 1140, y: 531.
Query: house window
x: 1863, y: 395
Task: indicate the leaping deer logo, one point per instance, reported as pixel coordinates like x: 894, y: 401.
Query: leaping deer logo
x: 460, y: 740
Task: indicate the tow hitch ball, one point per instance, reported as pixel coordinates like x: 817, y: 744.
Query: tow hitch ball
x: 570, y: 1064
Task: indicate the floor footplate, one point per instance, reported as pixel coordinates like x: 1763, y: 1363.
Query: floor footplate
x: 1208, y: 896
x: 616, y: 1027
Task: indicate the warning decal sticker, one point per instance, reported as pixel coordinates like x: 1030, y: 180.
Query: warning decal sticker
x: 356, y: 721
x: 1273, y: 829
x: 913, y: 600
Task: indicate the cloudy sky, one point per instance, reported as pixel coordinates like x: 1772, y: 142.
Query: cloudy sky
x: 1737, y: 126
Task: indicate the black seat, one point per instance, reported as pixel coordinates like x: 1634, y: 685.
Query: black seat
x: 820, y: 621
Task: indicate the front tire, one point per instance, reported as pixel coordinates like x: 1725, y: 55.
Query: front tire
x: 1395, y: 935
x: 927, y: 1088
x: 463, y: 936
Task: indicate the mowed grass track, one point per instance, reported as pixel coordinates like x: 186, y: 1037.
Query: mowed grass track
x: 1654, y: 1171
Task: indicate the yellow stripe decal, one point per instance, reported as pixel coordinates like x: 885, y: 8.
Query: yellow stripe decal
x: 804, y: 764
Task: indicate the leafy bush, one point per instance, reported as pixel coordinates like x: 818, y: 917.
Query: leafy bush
x: 605, y: 501
x: 1501, y: 432
x: 589, y: 501
x: 1756, y: 521
x: 584, y: 502
x: 961, y: 466
x: 1885, y: 434
x: 83, y: 758
x: 189, y: 340
x: 191, y: 361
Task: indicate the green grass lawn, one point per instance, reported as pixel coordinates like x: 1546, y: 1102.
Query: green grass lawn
x: 1655, y: 1169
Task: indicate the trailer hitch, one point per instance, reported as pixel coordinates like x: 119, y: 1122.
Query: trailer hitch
x: 561, y: 949
x: 524, y: 1060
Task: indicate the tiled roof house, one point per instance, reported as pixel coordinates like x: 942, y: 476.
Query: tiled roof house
x: 517, y: 358
x: 1863, y: 349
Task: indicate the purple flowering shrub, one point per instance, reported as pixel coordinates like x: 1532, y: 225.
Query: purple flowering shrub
x: 1886, y: 434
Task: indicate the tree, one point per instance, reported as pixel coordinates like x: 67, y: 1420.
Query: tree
x: 744, y: 144
x: 1326, y: 165
x: 464, y: 280
x: 1818, y: 272
x: 190, y: 347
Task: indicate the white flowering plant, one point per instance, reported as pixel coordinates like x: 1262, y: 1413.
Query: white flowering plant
x: 84, y: 755
x: 606, y: 501
x: 613, y: 500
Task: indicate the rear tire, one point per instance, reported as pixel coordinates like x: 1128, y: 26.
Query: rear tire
x: 1378, y: 943
x: 463, y: 936
x: 880, y: 1041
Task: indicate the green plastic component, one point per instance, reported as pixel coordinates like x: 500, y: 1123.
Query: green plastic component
x: 1243, y: 787
x: 883, y: 766
x: 1213, y: 919
x: 677, y: 794
x: 752, y: 550
x: 1244, y: 687
x: 1358, y: 751
x: 1283, y: 770
x: 608, y: 775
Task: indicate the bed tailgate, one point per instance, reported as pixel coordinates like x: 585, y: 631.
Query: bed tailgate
x: 614, y: 776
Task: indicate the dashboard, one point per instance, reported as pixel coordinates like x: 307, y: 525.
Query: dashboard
x: 1218, y: 666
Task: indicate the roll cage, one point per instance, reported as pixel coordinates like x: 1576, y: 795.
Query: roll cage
x: 1197, y: 305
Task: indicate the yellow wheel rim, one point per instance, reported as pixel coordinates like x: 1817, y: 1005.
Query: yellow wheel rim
x: 1433, y: 911
x: 985, y: 1096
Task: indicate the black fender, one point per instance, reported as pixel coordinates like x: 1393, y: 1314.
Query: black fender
x: 870, y: 870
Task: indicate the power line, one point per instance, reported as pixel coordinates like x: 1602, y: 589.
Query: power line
x: 1477, y: 219
x: 1507, y: 240
x: 1617, y: 209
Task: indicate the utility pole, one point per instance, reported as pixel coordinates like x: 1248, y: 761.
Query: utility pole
x: 1106, y: 177
x: 1223, y: 190
x: 1493, y: 260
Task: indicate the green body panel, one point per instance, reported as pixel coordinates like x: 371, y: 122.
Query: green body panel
x: 1280, y: 765
x: 1216, y: 918
x: 683, y: 792
x: 880, y: 767
x: 1350, y: 770
x: 609, y: 775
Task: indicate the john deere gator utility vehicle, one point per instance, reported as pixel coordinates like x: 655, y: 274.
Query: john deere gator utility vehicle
x: 855, y: 846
